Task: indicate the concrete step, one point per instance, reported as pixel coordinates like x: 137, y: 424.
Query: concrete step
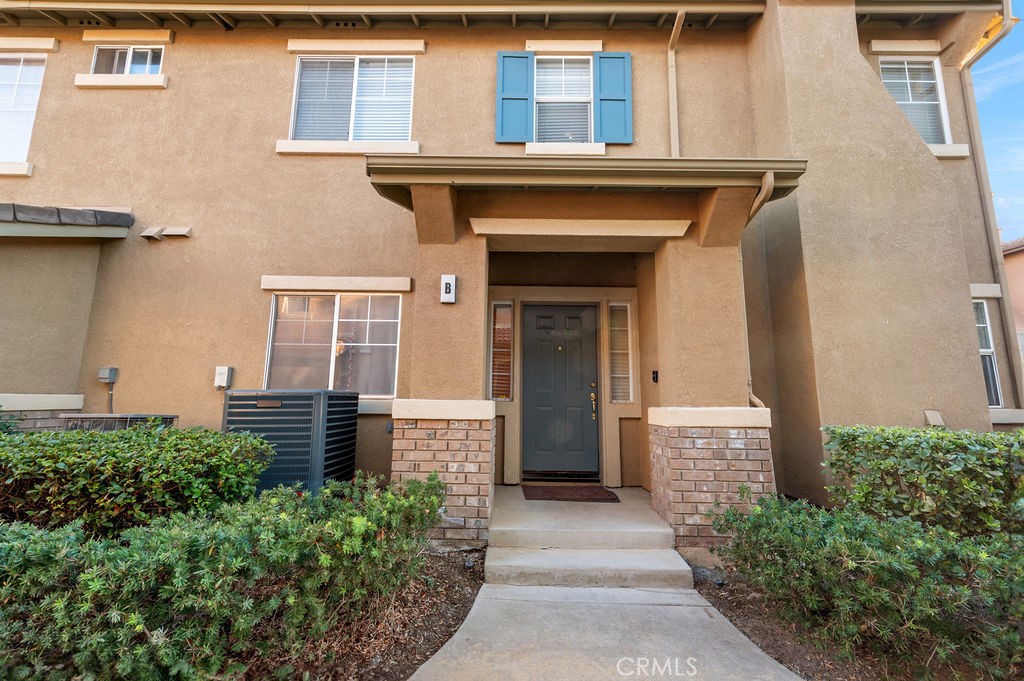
x: 524, y: 537
x: 636, y: 568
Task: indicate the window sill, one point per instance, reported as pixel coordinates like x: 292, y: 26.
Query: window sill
x: 950, y: 150
x: 565, y: 149
x: 375, y: 405
x: 334, y: 148
x: 1004, y: 416
x: 15, y: 170
x: 121, y: 81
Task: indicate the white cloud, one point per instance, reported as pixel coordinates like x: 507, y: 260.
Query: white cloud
x: 994, y: 77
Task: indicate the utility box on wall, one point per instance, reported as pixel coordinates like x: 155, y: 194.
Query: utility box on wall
x: 313, y: 432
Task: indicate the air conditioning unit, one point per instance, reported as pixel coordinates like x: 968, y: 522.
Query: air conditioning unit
x: 313, y: 432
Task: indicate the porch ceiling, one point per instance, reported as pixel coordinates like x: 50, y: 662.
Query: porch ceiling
x: 393, y: 176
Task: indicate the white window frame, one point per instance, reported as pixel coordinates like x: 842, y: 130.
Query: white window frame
x: 630, y: 350
x: 356, y: 59
x: 23, y: 167
x: 490, y: 353
x: 128, y: 61
x: 991, y: 352
x: 334, y: 335
x: 940, y: 87
x: 537, y: 100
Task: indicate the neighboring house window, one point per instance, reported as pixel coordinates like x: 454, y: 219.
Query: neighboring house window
x: 564, y: 98
x: 619, y: 351
x: 501, y: 351
x: 20, y: 81
x: 127, y: 60
x: 353, y: 98
x: 337, y: 342
x: 988, y: 356
x: 916, y: 85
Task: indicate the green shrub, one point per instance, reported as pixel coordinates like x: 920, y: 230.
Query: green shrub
x: 964, y: 481
x: 8, y: 422
x: 112, y: 480
x: 912, y: 592
x: 188, y: 596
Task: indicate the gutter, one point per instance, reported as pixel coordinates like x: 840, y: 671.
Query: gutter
x: 673, y: 86
x: 988, y: 206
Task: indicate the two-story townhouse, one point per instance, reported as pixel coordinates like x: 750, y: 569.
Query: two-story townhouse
x: 652, y: 244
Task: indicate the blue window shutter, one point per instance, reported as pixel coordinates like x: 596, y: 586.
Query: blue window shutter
x: 613, y: 97
x: 514, y: 111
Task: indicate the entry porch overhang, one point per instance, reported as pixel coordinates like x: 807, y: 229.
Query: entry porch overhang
x: 726, y: 194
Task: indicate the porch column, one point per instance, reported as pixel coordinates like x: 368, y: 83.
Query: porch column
x: 705, y: 441
x: 443, y: 423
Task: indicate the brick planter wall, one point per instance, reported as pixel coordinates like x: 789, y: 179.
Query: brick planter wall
x: 692, y: 468
x: 462, y: 455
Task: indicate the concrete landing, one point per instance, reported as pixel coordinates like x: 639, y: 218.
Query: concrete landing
x: 630, y: 524
x: 523, y: 632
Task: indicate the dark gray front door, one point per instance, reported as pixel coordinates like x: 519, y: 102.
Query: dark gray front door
x: 560, y: 433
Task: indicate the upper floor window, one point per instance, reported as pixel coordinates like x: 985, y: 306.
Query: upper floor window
x: 127, y: 60
x: 988, y: 354
x: 916, y: 85
x: 21, y: 78
x: 564, y: 98
x: 353, y: 98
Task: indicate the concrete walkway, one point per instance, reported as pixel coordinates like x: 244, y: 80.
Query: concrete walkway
x: 591, y: 591
x: 552, y: 632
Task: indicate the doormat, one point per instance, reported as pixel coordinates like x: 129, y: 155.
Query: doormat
x: 569, y: 493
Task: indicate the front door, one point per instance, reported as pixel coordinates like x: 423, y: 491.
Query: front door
x: 560, y: 435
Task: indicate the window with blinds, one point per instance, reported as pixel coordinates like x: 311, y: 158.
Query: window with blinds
x: 564, y: 99
x: 338, y: 341
x: 501, y: 351
x: 917, y: 88
x: 20, y: 81
x: 353, y: 98
x: 619, y: 339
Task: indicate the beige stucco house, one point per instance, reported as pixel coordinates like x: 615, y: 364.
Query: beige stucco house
x: 653, y: 244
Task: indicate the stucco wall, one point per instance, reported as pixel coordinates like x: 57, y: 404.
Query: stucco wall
x: 46, y: 291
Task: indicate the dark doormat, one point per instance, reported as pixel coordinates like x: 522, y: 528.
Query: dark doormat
x: 569, y: 493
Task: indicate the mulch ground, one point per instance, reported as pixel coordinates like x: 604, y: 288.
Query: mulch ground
x: 400, y: 633
x: 795, y: 645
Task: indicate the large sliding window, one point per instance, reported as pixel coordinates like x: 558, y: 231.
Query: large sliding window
x: 21, y: 79
x: 338, y: 341
x: 353, y: 98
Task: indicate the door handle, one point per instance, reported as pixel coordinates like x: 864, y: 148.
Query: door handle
x: 593, y: 406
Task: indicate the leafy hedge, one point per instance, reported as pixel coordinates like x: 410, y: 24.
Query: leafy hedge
x: 117, y: 479
x: 964, y: 481
x: 911, y: 591
x: 188, y: 596
x: 8, y: 422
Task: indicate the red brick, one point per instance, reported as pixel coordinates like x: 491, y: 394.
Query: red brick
x: 737, y: 476
x: 463, y: 425
x: 432, y: 445
x: 711, y: 464
x: 432, y: 424
x: 729, y: 432
x: 745, y: 465
x: 401, y: 445
x: 460, y: 534
x: 418, y: 456
x: 697, y: 475
x: 464, y: 445
x: 453, y: 478
x: 479, y: 434
x: 399, y: 466
x: 467, y: 490
x: 420, y: 434
x: 479, y: 478
x: 405, y: 423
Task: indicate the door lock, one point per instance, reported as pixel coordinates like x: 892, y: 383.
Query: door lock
x: 593, y: 406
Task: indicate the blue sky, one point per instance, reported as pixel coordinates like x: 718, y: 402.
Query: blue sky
x: 999, y: 89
